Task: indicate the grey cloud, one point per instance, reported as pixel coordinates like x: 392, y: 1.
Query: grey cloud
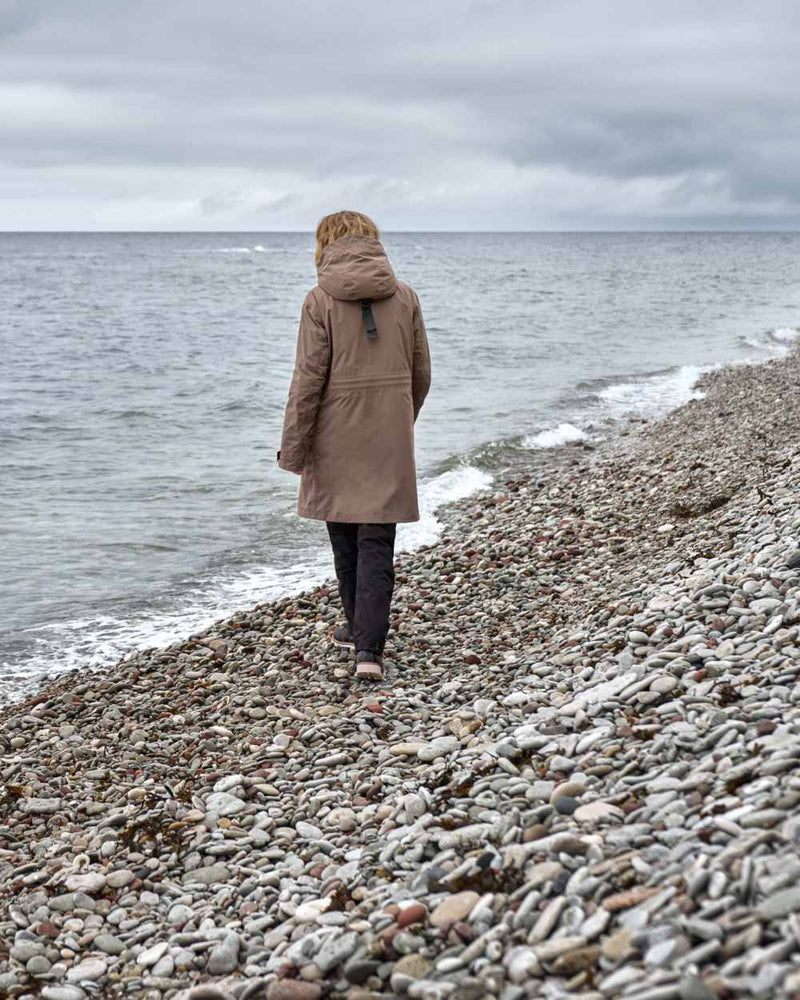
x: 237, y: 202
x: 15, y: 18
x: 510, y: 110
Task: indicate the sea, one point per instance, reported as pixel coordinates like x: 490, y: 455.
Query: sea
x: 144, y: 378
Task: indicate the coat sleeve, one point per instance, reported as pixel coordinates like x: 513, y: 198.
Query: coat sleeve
x: 312, y: 360
x: 421, y: 365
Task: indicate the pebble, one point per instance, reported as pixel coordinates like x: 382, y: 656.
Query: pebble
x: 576, y: 960
x: 308, y: 831
x: 208, y: 875
x: 109, y: 944
x: 224, y: 956
x: 293, y: 989
x: 152, y: 954
x: 224, y: 804
x: 413, y: 914
x: 43, y: 807
x: 180, y: 914
x: 557, y: 947
x: 90, y: 882
x: 780, y: 904
x: 617, y: 946
x: 407, y: 969
x: 566, y: 805
x: 568, y: 789
x: 595, y: 812
x: 454, y: 908
x: 335, y: 950
x: 89, y: 969
x: 440, y: 747
x: 120, y: 878
x: 310, y: 912
x: 38, y: 965
x: 522, y: 964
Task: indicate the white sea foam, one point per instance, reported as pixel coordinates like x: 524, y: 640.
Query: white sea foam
x: 258, y: 248
x: 455, y: 484
x: 776, y: 342
x: 785, y: 335
x: 654, y: 396
x: 554, y: 437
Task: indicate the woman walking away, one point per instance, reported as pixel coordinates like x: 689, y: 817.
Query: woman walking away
x: 362, y: 371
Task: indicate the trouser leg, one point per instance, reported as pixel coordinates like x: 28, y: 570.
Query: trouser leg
x: 344, y: 542
x: 375, y: 585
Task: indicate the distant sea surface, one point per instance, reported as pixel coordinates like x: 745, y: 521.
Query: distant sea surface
x: 144, y: 378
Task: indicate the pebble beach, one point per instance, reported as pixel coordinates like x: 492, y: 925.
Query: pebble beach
x: 580, y: 778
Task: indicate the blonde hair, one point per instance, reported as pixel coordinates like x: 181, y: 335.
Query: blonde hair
x: 333, y: 227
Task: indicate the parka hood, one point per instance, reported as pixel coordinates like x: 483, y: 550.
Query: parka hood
x: 356, y: 267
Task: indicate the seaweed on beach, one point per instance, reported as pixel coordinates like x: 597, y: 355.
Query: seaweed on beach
x: 453, y: 783
x: 728, y: 695
x: 152, y: 830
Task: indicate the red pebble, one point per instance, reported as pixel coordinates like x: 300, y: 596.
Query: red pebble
x: 414, y: 914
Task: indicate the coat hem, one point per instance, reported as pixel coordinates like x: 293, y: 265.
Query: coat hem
x: 366, y: 518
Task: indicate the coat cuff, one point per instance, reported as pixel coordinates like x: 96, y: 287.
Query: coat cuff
x: 286, y: 466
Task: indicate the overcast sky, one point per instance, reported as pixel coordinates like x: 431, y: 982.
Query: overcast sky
x: 427, y: 114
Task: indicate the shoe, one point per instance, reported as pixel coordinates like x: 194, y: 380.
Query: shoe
x: 369, y: 666
x: 343, y: 636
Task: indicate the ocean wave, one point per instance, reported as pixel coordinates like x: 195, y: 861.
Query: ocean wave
x: 126, y: 414
x: 785, y: 335
x: 139, y: 546
x: 653, y: 395
x: 258, y: 248
x: 554, y: 437
x: 777, y: 342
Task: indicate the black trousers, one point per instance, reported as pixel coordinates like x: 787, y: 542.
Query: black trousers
x: 363, y: 555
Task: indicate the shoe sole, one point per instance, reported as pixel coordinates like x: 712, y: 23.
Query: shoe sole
x: 344, y: 645
x: 369, y: 671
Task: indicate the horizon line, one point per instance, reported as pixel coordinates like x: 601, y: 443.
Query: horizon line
x: 311, y: 232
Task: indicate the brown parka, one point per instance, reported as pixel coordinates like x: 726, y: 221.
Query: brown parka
x: 348, y: 429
